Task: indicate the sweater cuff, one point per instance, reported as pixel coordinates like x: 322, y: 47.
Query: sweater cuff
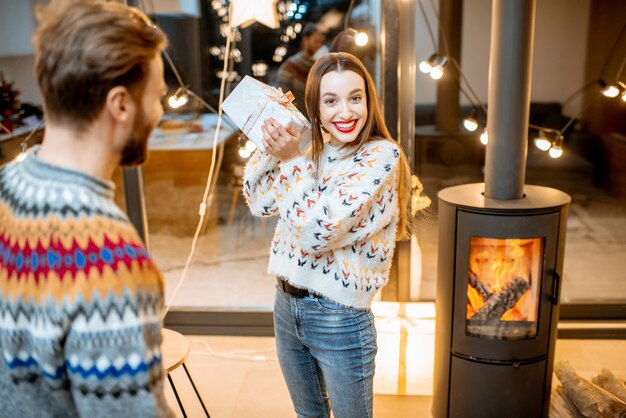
x: 269, y: 160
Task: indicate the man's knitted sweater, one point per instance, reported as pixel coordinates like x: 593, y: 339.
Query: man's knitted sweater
x: 336, y: 231
x: 80, y: 300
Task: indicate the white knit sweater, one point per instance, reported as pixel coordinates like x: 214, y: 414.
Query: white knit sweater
x: 336, y: 233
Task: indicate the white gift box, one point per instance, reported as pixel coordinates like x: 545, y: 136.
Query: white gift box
x: 252, y: 102
x: 406, y: 348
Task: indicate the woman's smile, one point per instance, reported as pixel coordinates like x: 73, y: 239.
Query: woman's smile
x: 346, y: 126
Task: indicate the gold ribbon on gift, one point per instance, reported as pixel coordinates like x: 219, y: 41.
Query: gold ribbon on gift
x: 285, y: 100
x: 404, y: 336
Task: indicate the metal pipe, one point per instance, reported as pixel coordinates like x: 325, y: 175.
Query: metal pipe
x: 398, y: 97
x: 451, y: 20
x: 510, y: 64
x: 389, y: 51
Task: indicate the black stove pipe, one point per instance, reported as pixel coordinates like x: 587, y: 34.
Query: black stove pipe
x: 510, y: 65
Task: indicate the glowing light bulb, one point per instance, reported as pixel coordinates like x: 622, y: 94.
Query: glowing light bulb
x: 542, y: 143
x: 624, y: 96
x: 425, y: 67
x: 259, y: 69
x: 177, y: 100
x: 361, y: 39
x: 470, y: 124
x: 610, y: 91
x: 484, y: 137
x: 280, y: 51
x: 22, y: 155
x: 556, y: 151
x: 244, y: 153
x: 250, y: 146
x: 436, y: 72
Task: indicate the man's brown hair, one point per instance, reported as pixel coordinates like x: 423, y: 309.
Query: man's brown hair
x: 84, y: 48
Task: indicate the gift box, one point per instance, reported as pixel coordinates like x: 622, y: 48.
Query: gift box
x: 252, y: 102
x: 406, y: 348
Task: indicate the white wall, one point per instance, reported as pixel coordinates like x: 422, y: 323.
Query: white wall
x: 17, y: 23
x: 559, y: 52
x: 188, y: 7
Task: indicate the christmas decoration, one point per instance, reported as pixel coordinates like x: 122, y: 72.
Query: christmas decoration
x: 10, y: 108
x: 245, y: 12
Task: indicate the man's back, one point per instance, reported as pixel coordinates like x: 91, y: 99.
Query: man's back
x: 80, y: 299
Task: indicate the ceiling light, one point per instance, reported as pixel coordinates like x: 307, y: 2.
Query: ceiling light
x: 361, y: 39
x: 178, y: 99
x: 542, y: 142
x: 427, y: 65
x: 470, y: 123
x: 484, y: 137
x: 557, y: 147
x: 610, y: 91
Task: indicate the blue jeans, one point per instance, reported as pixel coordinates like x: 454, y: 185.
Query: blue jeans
x: 326, y: 353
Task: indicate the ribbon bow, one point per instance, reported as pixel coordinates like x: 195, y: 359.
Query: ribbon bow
x: 284, y: 99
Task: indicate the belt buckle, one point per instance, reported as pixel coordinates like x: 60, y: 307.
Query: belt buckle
x: 282, y: 284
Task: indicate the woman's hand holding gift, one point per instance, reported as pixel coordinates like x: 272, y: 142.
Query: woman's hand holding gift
x: 279, y: 141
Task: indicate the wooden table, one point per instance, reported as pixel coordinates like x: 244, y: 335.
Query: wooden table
x: 175, y: 350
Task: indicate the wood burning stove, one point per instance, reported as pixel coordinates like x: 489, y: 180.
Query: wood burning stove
x: 501, y: 246
x: 497, y: 301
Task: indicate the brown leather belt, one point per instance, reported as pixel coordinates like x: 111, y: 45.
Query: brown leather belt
x: 290, y: 290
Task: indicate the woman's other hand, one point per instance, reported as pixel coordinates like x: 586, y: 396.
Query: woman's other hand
x: 279, y: 141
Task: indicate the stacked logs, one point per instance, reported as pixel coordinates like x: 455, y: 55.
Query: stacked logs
x: 575, y: 397
x: 496, y: 305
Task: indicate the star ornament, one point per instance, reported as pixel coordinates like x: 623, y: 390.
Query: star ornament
x: 245, y: 12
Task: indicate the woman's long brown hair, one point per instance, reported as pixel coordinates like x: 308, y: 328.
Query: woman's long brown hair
x: 373, y: 128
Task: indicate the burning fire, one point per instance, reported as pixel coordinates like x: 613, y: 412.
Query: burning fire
x: 503, y: 279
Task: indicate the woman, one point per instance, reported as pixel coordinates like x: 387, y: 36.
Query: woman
x: 341, y: 208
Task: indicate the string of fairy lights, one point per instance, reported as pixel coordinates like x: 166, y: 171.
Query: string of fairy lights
x: 546, y: 139
x: 290, y: 15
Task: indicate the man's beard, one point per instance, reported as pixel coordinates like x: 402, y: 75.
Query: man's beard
x: 135, y: 150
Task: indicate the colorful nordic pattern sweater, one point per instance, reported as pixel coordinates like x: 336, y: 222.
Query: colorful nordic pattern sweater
x: 80, y: 300
x: 336, y: 232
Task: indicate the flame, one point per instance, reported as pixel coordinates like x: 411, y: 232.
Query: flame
x: 494, y: 263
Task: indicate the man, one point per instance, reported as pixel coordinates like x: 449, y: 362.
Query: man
x: 80, y: 299
x: 293, y: 72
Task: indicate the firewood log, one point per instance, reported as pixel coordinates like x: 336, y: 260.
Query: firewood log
x: 561, y: 407
x: 502, y: 301
x: 480, y: 287
x: 607, y: 381
x: 576, y: 391
x: 590, y: 400
x: 608, y: 405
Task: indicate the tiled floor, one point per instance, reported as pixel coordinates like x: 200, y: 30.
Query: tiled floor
x: 239, y: 377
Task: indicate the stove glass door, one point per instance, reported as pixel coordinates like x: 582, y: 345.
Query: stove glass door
x: 503, y: 292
